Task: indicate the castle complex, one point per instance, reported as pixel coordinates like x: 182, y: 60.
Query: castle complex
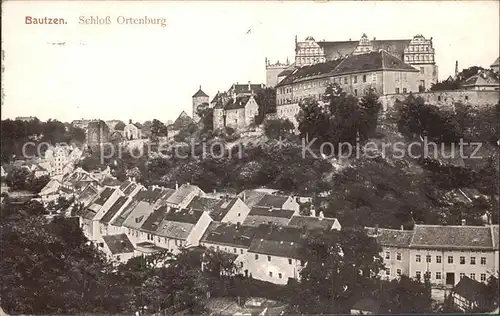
x: 417, y: 52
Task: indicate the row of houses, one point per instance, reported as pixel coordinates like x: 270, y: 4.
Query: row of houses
x: 446, y: 254
x: 262, y: 230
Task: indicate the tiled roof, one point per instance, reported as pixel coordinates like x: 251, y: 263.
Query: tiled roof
x: 239, y: 103
x: 125, y: 213
x: 183, y: 216
x: 181, y: 122
x: 310, y: 222
x: 470, y: 289
x: 110, y: 181
x: 118, y: 243
x: 243, y: 88
x: 104, y: 196
x: 341, y: 48
x: 270, y: 200
x: 251, y: 197
x: 277, y: 241
x: 203, y: 204
x: 453, y: 237
x: 200, y: 93
x: 390, y: 237
x: 374, y: 61
x: 150, y: 195
x: 222, y: 207
x: 114, y: 209
x: 130, y: 188
x: 153, y: 221
x: 181, y: 193
x: 287, y: 71
x: 124, y: 185
x: 86, y: 196
x: 485, y: 78
x: 270, y: 212
x: 227, y: 234
x: 139, y: 215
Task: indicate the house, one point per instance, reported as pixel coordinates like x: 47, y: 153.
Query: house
x: 237, y: 113
x: 251, y: 197
x: 50, y: 192
x: 89, y: 227
x: 312, y: 222
x: 173, y: 228
x: 278, y: 202
x: 484, y: 80
x: 395, y: 245
x: 274, y: 254
x: 113, y: 212
x: 267, y: 215
x: 229, y: 210
x: 87, y: 194
x: 132, y: 131
x: 118, y: 248
x: 61, y: 159
x: 230, y: 238
x: 365, y: 306
x: 183, y: 196
x: 469, y: 295
x: 204, y: 204
x: 182, y: 122
x: 445, y: 253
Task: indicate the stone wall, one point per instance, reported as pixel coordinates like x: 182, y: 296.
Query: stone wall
x: 447, y: 98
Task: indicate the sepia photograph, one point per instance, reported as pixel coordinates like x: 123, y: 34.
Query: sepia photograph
x: 239, y: 158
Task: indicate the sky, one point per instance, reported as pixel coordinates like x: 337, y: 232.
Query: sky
x: 142, y: 72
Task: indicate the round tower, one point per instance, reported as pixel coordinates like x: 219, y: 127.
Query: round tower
x: 199, y: 98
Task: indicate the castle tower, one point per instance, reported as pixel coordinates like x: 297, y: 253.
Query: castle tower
x: 273, y: 70
x: 199, y: 98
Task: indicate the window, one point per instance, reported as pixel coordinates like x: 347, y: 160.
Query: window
x: 217, y: 248
x: 473, y: 276
x: 345, y: 80
x: 418, y: 275
x: 256, y: 257
x: 404, y: 90
x: 241, y: 251
x: 268, y: 258
x: 289, y: 261
x: 483, y: 260
x: 428, y: 258
x: 483, y: 277
x: 364, y: 78
x: 462, y: 275
x: 388, y: 271
x: 397, y: 90
x: 355, y: 79
x: 462, y: 260
x: 241, y: 264
x: 118, y: 257
x: 466, y: 97
x: 421, y: 70
x: 439, y: 98
x: 387, y: 255
x: 450, y: 259
x: 280, y: 275
x: 398, y: 256
x: 374, y: 77
x: 472, y: 260
x: 428, y: 274
x: 438, y: 259
x: 438, y: 275
x: 398, y: 272
x: 356, y: 92
x: 302, y: 263
x: 271, y: 274
x: 235, y: 250
x: 418, y: 258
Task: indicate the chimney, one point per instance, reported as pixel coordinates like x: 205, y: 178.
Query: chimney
x: 463, y: 221
x: 376, y: 230
x: 200, y: 86
x: 176, y: 185
x: 130, y: 121
x: 249, y: 86
x: 456, y: 69
x: 238, y: 225
x: 401, y: 227
x: 244, y: 196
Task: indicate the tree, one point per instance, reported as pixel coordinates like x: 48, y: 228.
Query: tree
x: 17, y: 179
x: 279, y: 128
x: 370, y: 108
x: 340, y: 265
x: 206, y: 113
x: 266, y: 100
x: 405, y: 296
x: 77, y: 134
x: 158, y: 129
x: 119, y: 126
